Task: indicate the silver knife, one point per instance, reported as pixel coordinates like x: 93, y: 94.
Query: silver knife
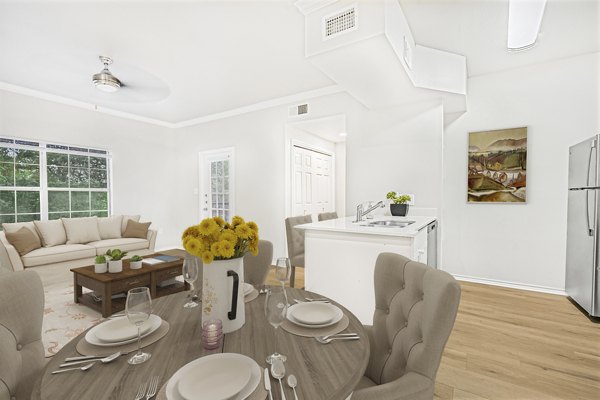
x: 68, y: 359
x: 268, y: 383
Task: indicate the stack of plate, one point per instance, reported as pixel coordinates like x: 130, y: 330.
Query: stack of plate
x: 247, y: 288
x: 119, y: 331
x: 314, y: 314
x: 224, y: 376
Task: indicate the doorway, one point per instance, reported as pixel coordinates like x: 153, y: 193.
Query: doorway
x: 312, y: 181
x: 217, y: 183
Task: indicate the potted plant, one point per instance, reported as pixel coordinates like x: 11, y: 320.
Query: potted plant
x: 115, y: 264
x: 100, y: 266
x: 135, y: 262
x: 399, y: 205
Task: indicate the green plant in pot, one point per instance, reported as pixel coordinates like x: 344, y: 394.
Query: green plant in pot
x: 135, y: 262
x: 100, y: 265
x: 399, y: 204
x: 116, y: 260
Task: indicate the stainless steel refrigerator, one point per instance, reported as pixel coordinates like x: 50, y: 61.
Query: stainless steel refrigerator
x: 583, y: 258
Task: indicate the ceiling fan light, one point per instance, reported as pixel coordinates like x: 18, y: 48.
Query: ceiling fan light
x: 104, y: 80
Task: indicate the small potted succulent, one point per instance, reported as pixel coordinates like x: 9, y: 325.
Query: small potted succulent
x: 115, y: 264
x: 399, y: 204
x: 135, y: 262
x: 100, y: 265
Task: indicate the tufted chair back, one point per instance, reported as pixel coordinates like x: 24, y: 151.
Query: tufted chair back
x: 295, y: 239
x: 21, y: 349
x: 415, y: 309
x: 327, y: 215
x: 256, y: 267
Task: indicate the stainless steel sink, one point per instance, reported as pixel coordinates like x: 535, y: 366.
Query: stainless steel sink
x: 390, y: 223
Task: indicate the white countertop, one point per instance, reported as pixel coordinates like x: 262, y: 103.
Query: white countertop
x: 345, y: 225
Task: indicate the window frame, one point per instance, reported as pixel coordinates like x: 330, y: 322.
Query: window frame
x: 43, y: 188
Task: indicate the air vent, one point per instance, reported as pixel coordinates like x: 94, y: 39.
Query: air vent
x: 340, y: 22
x: 300, y: 109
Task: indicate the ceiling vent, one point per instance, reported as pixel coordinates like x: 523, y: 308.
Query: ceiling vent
x: 341, y: 22
x: 300, y: 109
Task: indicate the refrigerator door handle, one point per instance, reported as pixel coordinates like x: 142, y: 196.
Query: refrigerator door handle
x: 587, y: 212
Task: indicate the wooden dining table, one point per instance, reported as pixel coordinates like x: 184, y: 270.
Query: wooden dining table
x: 324, y: 371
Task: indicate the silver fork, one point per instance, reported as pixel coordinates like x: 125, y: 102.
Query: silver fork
x: 141, y: 391
x: 152, y: 387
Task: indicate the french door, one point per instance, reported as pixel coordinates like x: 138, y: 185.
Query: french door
x: 312, y: 182
x: 216, y: 182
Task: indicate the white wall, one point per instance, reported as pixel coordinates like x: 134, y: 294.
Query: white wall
x: 142, y: 154
x: 520, y: 243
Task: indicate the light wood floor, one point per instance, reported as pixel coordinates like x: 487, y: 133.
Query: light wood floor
x: 517, y: 345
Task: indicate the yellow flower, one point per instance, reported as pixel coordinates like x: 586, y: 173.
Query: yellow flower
x: 253, y: 249
x: 237, y: 220
x: 192, y: 231
x: 228, y: 226
x: 193, y: 246
x: 243, y: 231
x: 207, y: 227
x: 252, y: 225
x: 207, y: 257
x: 227, y: 249
x: 229, y: 236
x: 220, y: 221
x: 215, y: 249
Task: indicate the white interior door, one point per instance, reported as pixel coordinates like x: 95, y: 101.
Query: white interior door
x: 312, y: 182
x: 216, y: 175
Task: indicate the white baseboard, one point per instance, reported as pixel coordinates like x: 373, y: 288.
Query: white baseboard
x: 512, y: 285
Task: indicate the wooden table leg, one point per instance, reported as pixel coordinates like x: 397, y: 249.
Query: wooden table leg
x: 107, y: 301
x: 77, y: 289
x: 153, y: 284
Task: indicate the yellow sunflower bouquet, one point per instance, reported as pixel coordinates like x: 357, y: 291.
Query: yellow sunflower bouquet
x: 215, y: 239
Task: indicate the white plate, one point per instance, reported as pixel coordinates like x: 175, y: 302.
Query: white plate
x: 338, y: 316
x: 172, y: 391
x: 247, y: 288
x: 91, y: 338
x: 219, y: 378
x: 119, y: 330
x: 315, y: 313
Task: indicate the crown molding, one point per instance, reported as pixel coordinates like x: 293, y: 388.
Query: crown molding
x: 328, y: 90
x: 308, y: 6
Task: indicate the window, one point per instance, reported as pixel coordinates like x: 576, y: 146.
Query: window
x: 216, y: 173
x: 48, y: 181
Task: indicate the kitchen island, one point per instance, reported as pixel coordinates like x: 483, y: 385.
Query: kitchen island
x: 340, y: 256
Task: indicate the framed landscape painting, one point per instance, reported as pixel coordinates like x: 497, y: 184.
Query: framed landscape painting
x: 497, y: 168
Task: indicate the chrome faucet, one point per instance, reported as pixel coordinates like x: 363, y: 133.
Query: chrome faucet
x: 360, y: 213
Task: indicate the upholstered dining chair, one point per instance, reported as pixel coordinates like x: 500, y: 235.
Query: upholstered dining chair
x: 256, y: 268
x: 415, y: 309
x: 21, y: 349
x: 327, y: 215
x: 295, y: 243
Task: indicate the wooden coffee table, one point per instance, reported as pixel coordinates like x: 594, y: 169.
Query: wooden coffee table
x: 109, y: 284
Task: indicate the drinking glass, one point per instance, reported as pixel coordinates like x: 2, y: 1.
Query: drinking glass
x: 138, y: 309
x: 276, y: 310
x: 282, y: 270
x: 190, y: 274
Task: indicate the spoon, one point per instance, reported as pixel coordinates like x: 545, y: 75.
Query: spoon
x: 293, y: 382
x: 84, y: 368
x: 331, y: 339
x: 104, y: 360
x: 278, y: 372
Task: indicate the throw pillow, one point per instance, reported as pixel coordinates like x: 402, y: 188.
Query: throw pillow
x: 126, y: 218
x: 14, y: 227
x: 52, y: 233
x: 81, y: 230
x: 136, y: 229
x: 23, y: 240
x: 110, y: 227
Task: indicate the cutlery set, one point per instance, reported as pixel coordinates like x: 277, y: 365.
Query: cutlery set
x: 152, y: 386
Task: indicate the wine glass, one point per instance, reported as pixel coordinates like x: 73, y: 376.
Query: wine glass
x: 190, y: 274
x: 138, y: 309
x: 282, y: 270
x: 276, y: 309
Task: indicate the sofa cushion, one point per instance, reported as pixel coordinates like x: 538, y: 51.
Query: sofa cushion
x: 124, y: 244
x: 126, y: 218
x: 81, y: 230
x: 52, y: 233
x: 15, y: 226
x: 23, y: 240
x: 110, y: 227
x: 136, y: 229
x: 54, y: 254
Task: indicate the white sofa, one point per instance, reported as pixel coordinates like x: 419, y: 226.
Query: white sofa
x: 71, y: 255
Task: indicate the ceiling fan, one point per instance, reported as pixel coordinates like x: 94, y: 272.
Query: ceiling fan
x: 105, y: 80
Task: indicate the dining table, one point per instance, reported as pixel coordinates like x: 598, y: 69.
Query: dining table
x: 323, y: 371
